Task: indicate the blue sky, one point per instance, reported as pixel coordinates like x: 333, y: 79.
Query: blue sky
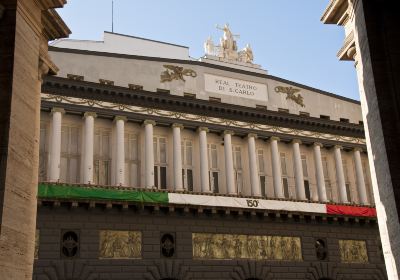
x: 287, y: 36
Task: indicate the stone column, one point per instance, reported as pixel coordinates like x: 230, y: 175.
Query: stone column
x: 25, y: 29
x: 148, y: 153
x: 276, y: 167
x: 229, y: 172
x: 362, y: 192
x: 204, y: 172
x: 89, y: 143
x: 298, y: 171
x: 55, y: 150
x: 340, y: 175
x: 254, y: 179
x: 319, y: 170
x: 176, y: 130
x: 120, y: 153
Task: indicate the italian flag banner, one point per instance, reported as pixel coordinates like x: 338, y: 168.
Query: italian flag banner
x: 57, y: 191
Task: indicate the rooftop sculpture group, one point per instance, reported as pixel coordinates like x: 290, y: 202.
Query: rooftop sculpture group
x: 227, y: 49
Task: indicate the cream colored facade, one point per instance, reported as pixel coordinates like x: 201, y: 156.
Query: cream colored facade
x: 295, y: 161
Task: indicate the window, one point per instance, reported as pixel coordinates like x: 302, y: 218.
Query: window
x: 70, y: 154
x: 131, y: 160
x: 305, y: 176
x: 328, y: 186
x: 160, y: 162
x: 102, y: 160
x: 237, y: 167
x: 43, y: 152
x: 285, y: 182
x: 261, y: 172
x: 187, y: 165
x: 347, y: 181
x: 213, y: 166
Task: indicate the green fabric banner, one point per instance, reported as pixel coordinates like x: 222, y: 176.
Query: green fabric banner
x: 80, y: 192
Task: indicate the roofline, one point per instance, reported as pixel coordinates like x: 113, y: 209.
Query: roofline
x: 202, y: 63
x: 150, y: 40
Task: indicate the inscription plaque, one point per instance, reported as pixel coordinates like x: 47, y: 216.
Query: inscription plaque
x: 235, y: 87
x: 240, y: 246
x: 116, y: 244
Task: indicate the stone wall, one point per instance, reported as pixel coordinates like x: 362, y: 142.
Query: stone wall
x: 153, y: 222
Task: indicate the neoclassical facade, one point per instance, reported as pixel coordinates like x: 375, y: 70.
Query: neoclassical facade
x: 154, y: 165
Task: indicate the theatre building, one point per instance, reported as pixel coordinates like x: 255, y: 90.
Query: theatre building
x: 155, y: 165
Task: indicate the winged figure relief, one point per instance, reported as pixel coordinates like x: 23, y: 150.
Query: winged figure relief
x: 174, y: 72
x: 290, y: 94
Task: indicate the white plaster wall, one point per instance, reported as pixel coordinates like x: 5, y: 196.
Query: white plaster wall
x: 124, y: 71
x: 123, y: 44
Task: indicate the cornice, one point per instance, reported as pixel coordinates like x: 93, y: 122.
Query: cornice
x: 203, y: 64
x: 156, y: 100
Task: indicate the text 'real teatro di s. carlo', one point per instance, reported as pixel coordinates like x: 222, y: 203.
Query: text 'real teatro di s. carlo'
x: 155, y: 165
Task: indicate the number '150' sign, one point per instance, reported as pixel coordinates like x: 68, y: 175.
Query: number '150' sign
x: 252, y: 202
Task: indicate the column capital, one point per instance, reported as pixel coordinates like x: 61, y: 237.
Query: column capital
x: 338, y: 147
x: 357, y: 149
x: 274, y: 138
x: 318, y: 144
x: 250, y: 135
x: 57, y: 109
x: 203, y: 128
x: 179, y: 125
x: 298, y: 141
x: 120, y: 118
x: 228, y: 132
x: 149, y: 122
x: 90, y: 114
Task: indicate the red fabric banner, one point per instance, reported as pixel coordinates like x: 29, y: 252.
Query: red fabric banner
x: 350, y: 210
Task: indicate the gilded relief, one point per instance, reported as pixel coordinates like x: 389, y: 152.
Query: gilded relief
x: 353, y: 251
x: 36, y: 254
x: 173, y: 72
x: 290, y: 94
x: 120, y: 244
x: 240, y: 246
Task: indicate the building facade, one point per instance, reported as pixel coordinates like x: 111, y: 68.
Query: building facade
x: 154, y: 165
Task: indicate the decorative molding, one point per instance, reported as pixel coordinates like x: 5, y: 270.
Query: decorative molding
x: 201, y: 120
x: 90, y: 114
x: 170, y: 102
x: 290, y: 94
x: 174, y: 72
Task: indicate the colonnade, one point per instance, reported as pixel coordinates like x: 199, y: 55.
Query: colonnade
x: 119, y: 122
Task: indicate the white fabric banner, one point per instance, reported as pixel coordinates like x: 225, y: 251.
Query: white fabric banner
x: 249, y: 203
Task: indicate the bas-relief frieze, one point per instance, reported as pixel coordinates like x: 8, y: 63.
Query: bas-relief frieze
x: 116, y: 244
x: 203, y: 120
x: 353, y: 251
x: 240, y: 246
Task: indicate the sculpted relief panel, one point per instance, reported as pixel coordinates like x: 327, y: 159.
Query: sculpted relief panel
x: 353, y: 251
x: 115, y: 244
x: 240, y: 246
